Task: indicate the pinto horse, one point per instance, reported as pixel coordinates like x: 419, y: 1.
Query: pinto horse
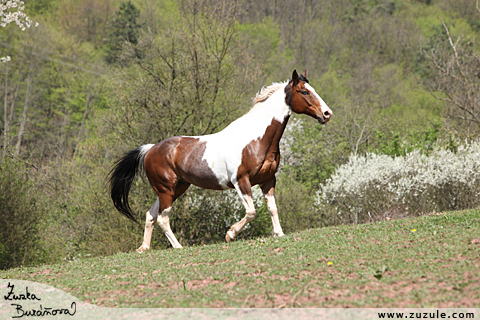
x: 244, y: 154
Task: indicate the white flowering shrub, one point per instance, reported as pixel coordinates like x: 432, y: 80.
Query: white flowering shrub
x: 373, y: 186
x: 12, y: 11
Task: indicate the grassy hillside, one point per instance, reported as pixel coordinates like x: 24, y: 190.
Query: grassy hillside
x: 429, y: 261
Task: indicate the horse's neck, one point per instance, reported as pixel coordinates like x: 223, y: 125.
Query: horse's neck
x: 267, y: 120
x: 273, y: 135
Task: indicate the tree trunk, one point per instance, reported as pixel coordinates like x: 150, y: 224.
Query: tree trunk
x: 24, y: 117
x: 5, y: 116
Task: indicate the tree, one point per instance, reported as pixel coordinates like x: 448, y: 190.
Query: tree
x: 11, y: 11
x: 124, y: 29
x: 87, y: 19
x: 187, y: 80
x: 455, y: 78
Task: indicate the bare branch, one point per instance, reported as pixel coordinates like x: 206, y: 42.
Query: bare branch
x: 451, y: 43
x: 11, y: 155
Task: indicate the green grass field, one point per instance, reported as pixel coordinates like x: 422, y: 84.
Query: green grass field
x: 429, y: 261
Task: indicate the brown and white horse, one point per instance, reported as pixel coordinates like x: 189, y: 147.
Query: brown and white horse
x: 244, y: 154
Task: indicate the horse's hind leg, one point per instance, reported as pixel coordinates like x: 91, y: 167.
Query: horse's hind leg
x: 166, y: 201
x: 151, y: 216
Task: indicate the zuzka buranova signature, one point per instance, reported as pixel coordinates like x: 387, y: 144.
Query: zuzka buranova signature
x: 41, y: 311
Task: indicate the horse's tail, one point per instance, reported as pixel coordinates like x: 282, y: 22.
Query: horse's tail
x: 122, y: 176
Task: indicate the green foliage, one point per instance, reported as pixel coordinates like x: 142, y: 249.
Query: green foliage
x: 364, y: 7
x: 264, y: 40
x: 395, y: 145
x: 20, y: 216
x: 39, y: 7
x: 81, y: 221
x: 317, y: 158
x: 295, y: 202
x: 124, y: 28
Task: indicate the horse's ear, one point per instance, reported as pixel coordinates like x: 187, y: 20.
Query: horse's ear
x: 294, y: 78
x: 305, y: 74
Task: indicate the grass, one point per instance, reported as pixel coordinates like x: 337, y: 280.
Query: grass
x: 429, y: 261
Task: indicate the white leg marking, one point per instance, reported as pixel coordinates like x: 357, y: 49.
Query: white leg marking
x: 272, y: 207
x: 250, y: 209
x: 164, y: 222
x: 149, y: 222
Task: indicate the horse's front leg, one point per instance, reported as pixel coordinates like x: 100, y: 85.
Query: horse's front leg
x: 268, y: 189
x: 244, y: 190
x: 149, y: 223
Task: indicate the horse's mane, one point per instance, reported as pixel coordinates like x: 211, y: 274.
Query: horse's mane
x: 266, y: 92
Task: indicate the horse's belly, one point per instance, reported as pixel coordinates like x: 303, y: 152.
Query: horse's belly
x: 204, y: 177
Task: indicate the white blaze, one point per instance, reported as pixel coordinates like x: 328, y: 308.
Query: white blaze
x: 322, y: 103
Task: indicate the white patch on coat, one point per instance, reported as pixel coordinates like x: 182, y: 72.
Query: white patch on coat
x: 144, y: 149
x: 322, y: 103
x: 223, y: 151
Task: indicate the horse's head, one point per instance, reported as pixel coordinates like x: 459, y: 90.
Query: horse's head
x: 302, y: 98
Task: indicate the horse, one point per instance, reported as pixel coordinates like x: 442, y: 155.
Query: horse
x: 244, y: 154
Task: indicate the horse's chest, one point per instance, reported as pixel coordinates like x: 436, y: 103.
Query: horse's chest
x: 267, y: 169
x: 260, y: 163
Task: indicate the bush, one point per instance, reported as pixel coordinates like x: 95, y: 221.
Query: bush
x: 373, y: 186
x: 205, y: 216
x: 20, y: 216
x: 81, y: 220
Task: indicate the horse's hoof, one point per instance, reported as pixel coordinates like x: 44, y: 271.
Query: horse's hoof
x: 141, y: 249
x: 230, y: 236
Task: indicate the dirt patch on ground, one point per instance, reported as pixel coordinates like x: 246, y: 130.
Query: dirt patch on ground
x: 475, y: 241
x: 47, y: 273
x: 200, y: 284
x: 277, y: 277
x: 41, y: 273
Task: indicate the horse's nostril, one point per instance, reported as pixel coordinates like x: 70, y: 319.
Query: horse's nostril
x: 327, y: 114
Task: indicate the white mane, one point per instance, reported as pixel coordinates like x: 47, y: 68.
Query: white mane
x: 265, y: 93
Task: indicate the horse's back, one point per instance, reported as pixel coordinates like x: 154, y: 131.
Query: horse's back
x: 181, y: 158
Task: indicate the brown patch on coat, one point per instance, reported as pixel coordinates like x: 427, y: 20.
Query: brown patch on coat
x: 178, y: 160
x: 261, y: 157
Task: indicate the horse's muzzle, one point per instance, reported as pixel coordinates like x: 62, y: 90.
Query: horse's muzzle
x: 325, y: 117
x: 322, y: 120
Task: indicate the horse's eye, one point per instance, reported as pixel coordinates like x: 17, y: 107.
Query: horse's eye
x: 305, y: 93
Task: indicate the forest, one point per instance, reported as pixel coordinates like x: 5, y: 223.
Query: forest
x: 92, y: 79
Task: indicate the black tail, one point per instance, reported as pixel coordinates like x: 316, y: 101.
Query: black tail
x: 122, y: 176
